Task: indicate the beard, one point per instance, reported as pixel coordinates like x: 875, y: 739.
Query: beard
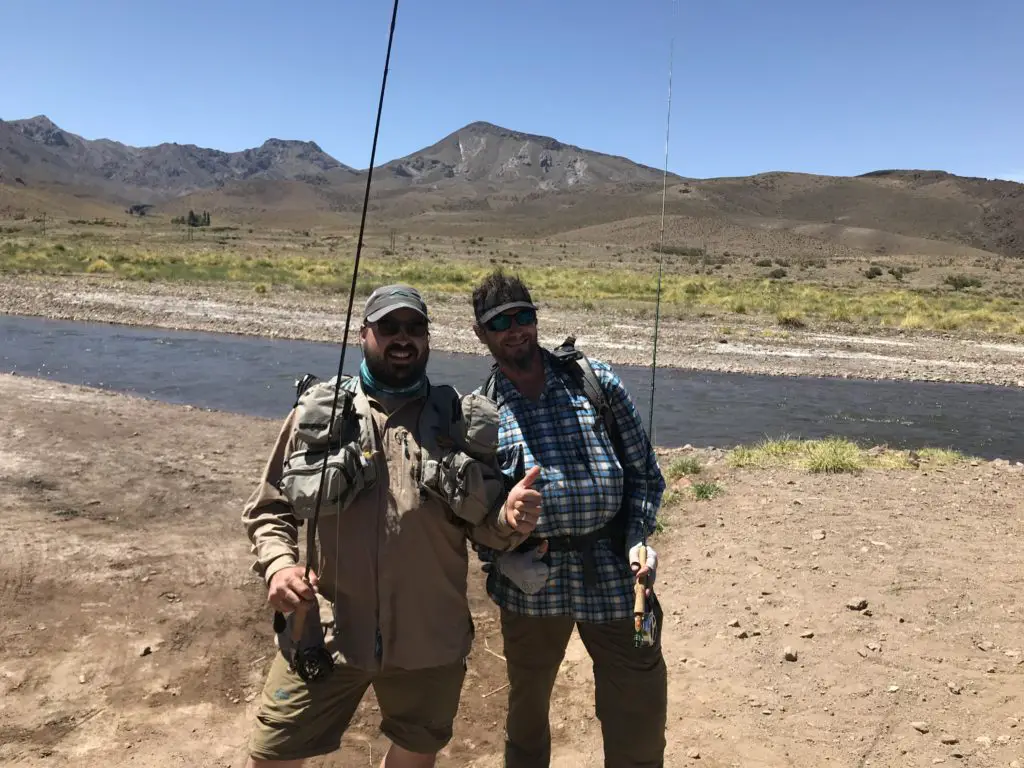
x: 390, y: 369
x: 520, y: 358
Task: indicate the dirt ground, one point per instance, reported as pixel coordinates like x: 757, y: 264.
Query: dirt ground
x: 736, y: 345
x: 134, y: 633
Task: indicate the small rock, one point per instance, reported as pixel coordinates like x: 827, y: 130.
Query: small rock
x: 862, y: 653
x: 857, y: 605
x: 920, y: 726
x: 985, y: 741
x: 693, y: 754
x: 874, y: 647
x: 742, y: 635
x: 81, y: 679
x: 866, y: 612
x: 1015, y: 764
x: 947, y: 739
x: 734, y: 623
x: 893, y: 688
x: 818, y: 535
x: 789, y: 654
x: 145, y: 651
x: 807, y: 635
x: 954, y: 688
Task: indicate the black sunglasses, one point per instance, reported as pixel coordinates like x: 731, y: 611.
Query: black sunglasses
x: 389, y: 327
x: 523, y: 317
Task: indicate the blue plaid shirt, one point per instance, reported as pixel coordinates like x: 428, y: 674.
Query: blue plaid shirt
x: 582, y: 485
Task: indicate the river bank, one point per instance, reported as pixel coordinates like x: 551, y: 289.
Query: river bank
x: 741, y: 345
x: 904, y: 638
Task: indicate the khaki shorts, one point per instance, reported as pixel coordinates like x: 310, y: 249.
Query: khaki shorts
x: 296, y: 720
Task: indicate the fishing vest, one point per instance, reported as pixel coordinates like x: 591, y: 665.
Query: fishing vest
x: 458, y: 439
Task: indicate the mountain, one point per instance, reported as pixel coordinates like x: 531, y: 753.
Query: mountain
x: 484, y: 179
x: 38, y: 151
x: 510, y: 161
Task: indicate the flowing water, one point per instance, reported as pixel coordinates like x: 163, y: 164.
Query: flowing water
x: 256, y: 376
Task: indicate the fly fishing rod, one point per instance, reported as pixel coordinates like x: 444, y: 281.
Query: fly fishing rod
x: 644, y: 629
x: 315, y: 665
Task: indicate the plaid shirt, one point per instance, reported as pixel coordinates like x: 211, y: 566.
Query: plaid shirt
x: 582, y: 484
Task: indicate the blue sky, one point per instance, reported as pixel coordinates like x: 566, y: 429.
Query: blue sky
x: 820, y: 86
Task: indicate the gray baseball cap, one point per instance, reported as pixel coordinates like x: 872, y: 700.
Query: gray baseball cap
x: 388, y: 298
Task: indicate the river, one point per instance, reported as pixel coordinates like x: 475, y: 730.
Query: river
x: 256, y: 376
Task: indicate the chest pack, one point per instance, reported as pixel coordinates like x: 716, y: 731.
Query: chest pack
x: 457, y: 437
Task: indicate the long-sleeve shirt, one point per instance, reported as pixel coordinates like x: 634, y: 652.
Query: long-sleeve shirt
x: 582, y: 484
x: 393, y: 566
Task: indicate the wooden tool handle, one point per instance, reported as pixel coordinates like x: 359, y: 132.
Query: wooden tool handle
x: 639, y: 589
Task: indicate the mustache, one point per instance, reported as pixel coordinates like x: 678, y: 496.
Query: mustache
x: 399, y: 346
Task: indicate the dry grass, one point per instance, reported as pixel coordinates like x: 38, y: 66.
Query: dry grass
x: 815, y: 293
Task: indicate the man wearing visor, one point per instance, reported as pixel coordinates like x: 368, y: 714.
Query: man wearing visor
x: 578, y: 569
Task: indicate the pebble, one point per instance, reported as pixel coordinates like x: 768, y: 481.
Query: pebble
x: 857, y: 605
x: 807, y: 635
x: 947, y: 739
x: 818, y: 535
x: 985, y: 741
x: 693, y: 754
x: 789, y: 654
x: 734, y: 623
x: 920, y: 726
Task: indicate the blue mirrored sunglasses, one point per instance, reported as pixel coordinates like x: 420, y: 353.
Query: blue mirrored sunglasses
x: 523, y: 317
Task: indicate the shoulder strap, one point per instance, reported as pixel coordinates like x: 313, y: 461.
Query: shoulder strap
x: 583, y: 372
x: 490, y: 385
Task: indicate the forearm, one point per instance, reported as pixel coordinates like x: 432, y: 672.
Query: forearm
x: 495, y: 533
x: 267, y: 516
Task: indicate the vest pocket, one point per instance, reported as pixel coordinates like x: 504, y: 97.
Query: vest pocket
x: 471, y: 488
x: 348, y: 473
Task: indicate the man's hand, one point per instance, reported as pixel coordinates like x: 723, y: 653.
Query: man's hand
x: 649, y: 570
x: 288, y: 588
x: 522, y: 507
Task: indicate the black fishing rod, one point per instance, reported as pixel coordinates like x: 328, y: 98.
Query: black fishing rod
x: 311, y: 536
x: 643, y: 619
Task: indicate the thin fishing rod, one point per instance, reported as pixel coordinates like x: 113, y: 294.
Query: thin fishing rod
x: 661, y: 263
x: 661, y: 248
x: 355, y: 273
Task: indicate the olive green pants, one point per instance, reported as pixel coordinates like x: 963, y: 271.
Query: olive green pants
x: 297, y: 720
x: 631, y: 689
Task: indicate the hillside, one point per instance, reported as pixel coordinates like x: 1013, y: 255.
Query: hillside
x: 40, y: 153
x: 484, y: 179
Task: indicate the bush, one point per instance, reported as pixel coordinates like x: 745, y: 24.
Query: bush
x: 777, y: 274
x: 959, y: 282
x: 873, y: 272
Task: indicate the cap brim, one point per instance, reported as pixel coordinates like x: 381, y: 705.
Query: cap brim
x: 373, y: 317
x: 504, y: 308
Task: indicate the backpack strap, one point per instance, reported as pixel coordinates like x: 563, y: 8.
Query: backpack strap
x: 584, y: 374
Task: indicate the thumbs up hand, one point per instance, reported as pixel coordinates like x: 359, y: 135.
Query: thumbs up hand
x: 522, y: 507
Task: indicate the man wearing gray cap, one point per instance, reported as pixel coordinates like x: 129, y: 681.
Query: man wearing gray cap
x: 411, y: 474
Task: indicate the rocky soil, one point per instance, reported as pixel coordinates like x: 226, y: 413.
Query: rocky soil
x: 848, y: 620
x: 705, y: 344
